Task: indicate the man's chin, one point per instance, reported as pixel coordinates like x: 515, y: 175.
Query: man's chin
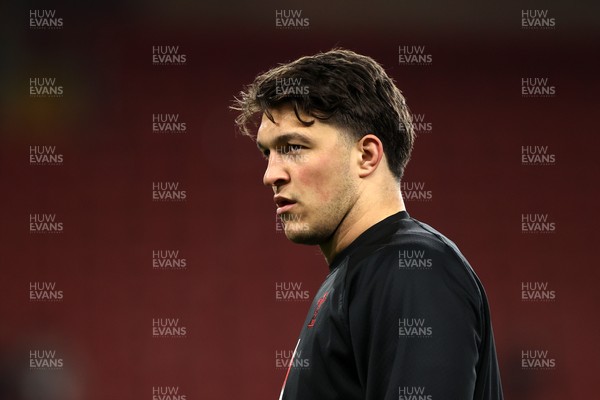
x: 298, y: 239
x: 302, y: 235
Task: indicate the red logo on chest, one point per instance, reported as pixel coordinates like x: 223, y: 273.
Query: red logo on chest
x: 319, y: 304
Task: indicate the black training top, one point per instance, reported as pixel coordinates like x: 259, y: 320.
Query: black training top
x: 401, y: 316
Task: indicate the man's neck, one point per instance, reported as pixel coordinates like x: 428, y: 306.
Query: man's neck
x: 360, y: 218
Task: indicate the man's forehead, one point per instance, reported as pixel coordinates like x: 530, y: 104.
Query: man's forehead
x: 284, y: 116
x: 285, y: 123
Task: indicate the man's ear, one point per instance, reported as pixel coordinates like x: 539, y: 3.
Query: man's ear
x: 370, y: 151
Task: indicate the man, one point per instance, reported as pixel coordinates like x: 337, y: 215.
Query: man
x: 401, y: 314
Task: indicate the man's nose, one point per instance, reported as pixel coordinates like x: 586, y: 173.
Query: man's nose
x: 276, y: 173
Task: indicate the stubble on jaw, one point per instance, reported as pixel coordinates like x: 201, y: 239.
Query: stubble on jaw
x: 317, y: 225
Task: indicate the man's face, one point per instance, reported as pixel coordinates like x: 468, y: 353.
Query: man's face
x: 309, y: 170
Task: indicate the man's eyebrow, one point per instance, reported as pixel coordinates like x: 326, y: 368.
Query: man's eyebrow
x: 285, y: 138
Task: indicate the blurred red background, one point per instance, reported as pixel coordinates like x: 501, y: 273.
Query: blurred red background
x: 470, y: 160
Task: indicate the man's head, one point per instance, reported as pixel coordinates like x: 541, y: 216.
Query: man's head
x: 334, y: 126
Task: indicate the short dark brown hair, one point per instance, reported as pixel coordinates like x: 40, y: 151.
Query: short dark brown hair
x: 340, y: 87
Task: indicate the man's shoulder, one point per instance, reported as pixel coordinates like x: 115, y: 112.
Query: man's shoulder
x: 414, y: 254
x: 411, y: 236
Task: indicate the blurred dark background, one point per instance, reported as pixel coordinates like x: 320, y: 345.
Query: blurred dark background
x: 225, y: 229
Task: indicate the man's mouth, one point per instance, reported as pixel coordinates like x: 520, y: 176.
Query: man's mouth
x: 283, y: 204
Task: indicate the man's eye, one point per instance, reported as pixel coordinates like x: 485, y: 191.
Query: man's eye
x: 292, y: 148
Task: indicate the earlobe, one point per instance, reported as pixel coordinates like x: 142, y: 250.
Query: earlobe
x: 371, y: 153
